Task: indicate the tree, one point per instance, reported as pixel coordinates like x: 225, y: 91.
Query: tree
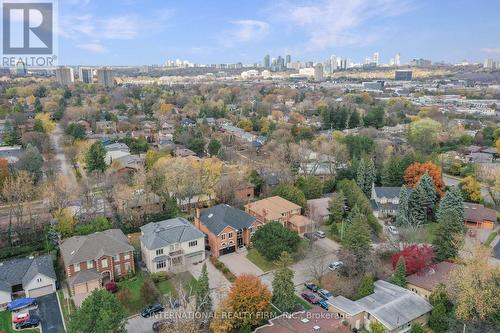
x: 428, y: 190
x: 336, y: 207
x: 374, y: 117
x: 359, y: 145
x: 311, y: 186
x: 202, y: 295
x: 38, y: 108
x: 95, y: 157
x: 11, y: 135
x: 365, y: 175
x: 471, y: 190
x: 99, y: 312
x: 124, y: 295
x: 451, y: 201
x: 438, y: 320
x: 291, y: 193
x: 416, y: 170
x: 283, y: 286
x: 197, y: 144
x: 214, y: 147
x: 417, y: 328
x: 357, y: 237
x: 416, y: 257
x: 418, y: 211
x: 246, y: 125
x: 377, y: 327
x: 32, y: 162
x: 273, y: 239
x: 76, y: 130
x: 403, y: 217
x: 399, y: 276
x: 65, y: 223
x: 423, y: 134
x: 366, y: 286
x: 221, y: 322
x: 248, y: 297
x: 148, y: 293
x: 448, y: 237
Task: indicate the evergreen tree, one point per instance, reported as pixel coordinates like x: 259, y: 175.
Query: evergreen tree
x: 95, y: 157
x: 202, y: 295
x: 418, y: 212
x: 365, y: 175
x: 403, y: 215
x: 336, y: 208
x: 451, y: 200
x: 366, y: 286
x: 11, y: 136
x: 399, y: 276
x: 357, y: 236
x: 283, y: 287
x: 429, y: 193
x: 32, y: 162
x: 392, y: 175
x: 38, y: 105
x: 449, y: 234
x: 438, y: 320
x: 417, y: 328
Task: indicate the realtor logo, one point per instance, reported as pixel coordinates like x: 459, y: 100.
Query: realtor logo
x: 28, y: 32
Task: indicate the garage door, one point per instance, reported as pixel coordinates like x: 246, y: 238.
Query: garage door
x: 227, y: 250
x: 37, y: 292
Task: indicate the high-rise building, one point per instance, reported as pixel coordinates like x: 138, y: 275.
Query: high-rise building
x: 375, y: 58
x: 21, y: 68
x: 267, y: 61
x: 288, y: 60
x: 65, y: 76
x: 333, y: 63
x: 397, y: 59
x: 86, y: 75
x: 489, y: 63
x: 318, y: 72
x: 105, y: 77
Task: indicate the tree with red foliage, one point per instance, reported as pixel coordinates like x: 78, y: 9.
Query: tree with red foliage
x: 416, y: 257
x: 416, y: 170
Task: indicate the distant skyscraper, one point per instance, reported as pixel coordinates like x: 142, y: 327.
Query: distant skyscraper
x: 375, y: 58
x: 64, y: 76
x: 489, y: 63
x: 333, y: 63
x: 267, y: 61
x: 318, y: 72
x: 85, y: 75
x: 105, y: 77
x: 397, y: 59
x: 288, y: 60
x: 21, y: 68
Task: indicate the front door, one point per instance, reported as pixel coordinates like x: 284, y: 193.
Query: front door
x: 239, y: 239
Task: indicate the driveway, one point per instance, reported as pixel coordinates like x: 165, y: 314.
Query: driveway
x: 238, y: 263
x: 327, y: 244
x: 50, y: 314
x: 218, y: 283
x: 138, y: 324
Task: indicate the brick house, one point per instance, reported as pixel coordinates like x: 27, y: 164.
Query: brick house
x: 93, y: 260
x: 226, y: 228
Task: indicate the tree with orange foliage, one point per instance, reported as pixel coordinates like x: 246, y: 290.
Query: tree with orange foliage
x: 249, y: 299
x: 416, y: 170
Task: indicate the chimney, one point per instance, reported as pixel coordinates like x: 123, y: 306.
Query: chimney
x: 197, y: 213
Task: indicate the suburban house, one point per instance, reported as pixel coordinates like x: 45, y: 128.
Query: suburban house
x: 478, y: 216
x: 394, y: 307
x: 93, y: 260
x: 385, y: 200
x: 278, y: 209
x: 26, y: 277
x: 115, y: 151
x: 423, y: 283
x: 171, y: 245
x: 227, y: 228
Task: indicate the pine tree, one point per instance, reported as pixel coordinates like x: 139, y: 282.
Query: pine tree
x: 438, y: 320
x: 403, y: 214
x: 399, y: 276
x: 418, y: 212
x: 38, y: 105
x: 449, y: 234
x: 365, y: 175
x: 451, y: 200
x: 202, y: 293
x: 366, y: 286
x: 283, y: 287
x: 429, y: 190
x: 95, y: 157
x: 336, y: 208
x: 357, y: 236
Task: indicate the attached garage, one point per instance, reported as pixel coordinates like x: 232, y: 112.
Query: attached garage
x: 195, y: 258
x: 42, y: 291
x: 227, y: 250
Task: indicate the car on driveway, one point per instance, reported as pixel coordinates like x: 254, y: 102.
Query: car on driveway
x: 335, y: 265
x: 310, y: 298
x: 20, y: 317
x: 32, y: 322
x: 325, y: 294
x: 322, y: 303
x: 393, y: 230
x: 320, y: 234
x: 311, y: 236
x: 152, y: 310
x: 311, y: 286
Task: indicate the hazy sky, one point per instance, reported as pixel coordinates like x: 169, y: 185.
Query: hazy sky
x: 132, y: 32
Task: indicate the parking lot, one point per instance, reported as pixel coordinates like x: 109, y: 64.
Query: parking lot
x: 49, y: 313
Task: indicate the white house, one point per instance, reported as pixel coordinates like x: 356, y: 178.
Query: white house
x: 385, y: 200
x: 171, y: 245
x: 29, y: 277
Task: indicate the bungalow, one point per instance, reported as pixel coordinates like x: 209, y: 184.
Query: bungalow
x: 29, y: 277
x: 385, y: 200
x: 226, y: 228
x: 396, y: 308
x: 423, y: 283
x: 479, y: 217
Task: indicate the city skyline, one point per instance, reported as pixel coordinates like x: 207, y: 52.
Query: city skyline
x: 149, y: 32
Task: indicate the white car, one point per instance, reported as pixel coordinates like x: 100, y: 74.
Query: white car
x: 320, y: 234
x: 335, y: 265
x: 392, y: 229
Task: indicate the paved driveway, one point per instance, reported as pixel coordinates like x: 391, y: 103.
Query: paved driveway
x: 238, y: 263
x: 50, y: 314
x: 218, y: 283
x: 138, y: 324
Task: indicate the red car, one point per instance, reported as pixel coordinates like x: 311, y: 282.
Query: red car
x: 21, y: 317
x: 310, y: 298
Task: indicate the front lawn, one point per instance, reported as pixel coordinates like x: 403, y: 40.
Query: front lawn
x: 134, y: 285
x: 170, y: 285
x: 254, y: 256
x: 6, y: 324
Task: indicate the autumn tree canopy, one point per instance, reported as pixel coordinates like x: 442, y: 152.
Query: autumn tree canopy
x: 416, y: 170
x: 416, y: 258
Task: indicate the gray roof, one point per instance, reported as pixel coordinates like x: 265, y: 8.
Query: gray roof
x: 496, y: 251
x: 23, y: 270
x: 91, y: 247
x: 84, y: 276
x: 387, y: 191
x: 217, y: 218
x: 392, y: 305
x: 160, y: 234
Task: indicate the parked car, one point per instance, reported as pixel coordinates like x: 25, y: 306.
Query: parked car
x: 320, y: 234
x: 335, y: 265
x: 310, y: 298
x: 323, y: 304
x: 32, y: 322
x: 21, y: 317
x: 111, y: 286
x: 311, y: 236
x: 152, y: 310
x: 311, y: 286
x: 393, y: 230
x: 21, y: 303
x: 161, y: 325
x: 325, y: 294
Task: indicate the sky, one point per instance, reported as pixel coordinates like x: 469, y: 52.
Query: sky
x: 139, y: 32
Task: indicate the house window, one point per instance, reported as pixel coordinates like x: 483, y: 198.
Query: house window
x: 174, y: 247
x: 77, y: 267
x: 193, y: 243
x: 230, y: 235
x: 90, y: 264
x: 116, y: 257
x: 161, y: 264
x: 39, y: 280
x: 159, y: 252
x: 104, y: 263
x: 223, y: 245
x: 118, y: 270
x: 126, y: 256
x: 223, y: 236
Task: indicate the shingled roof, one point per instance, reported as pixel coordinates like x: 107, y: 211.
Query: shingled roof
x: 217, y: 218
x: 23, y: 270
x: 160, y: 234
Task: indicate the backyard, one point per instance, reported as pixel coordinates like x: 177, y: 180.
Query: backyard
x: 6, y: 324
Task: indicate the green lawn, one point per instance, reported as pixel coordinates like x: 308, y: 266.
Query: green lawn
x: 6, y: 323
x: 254, y: 256
x: 303, y: 302
x: 169, y: 286
x: 134, y: 285
x: 67, y: 306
